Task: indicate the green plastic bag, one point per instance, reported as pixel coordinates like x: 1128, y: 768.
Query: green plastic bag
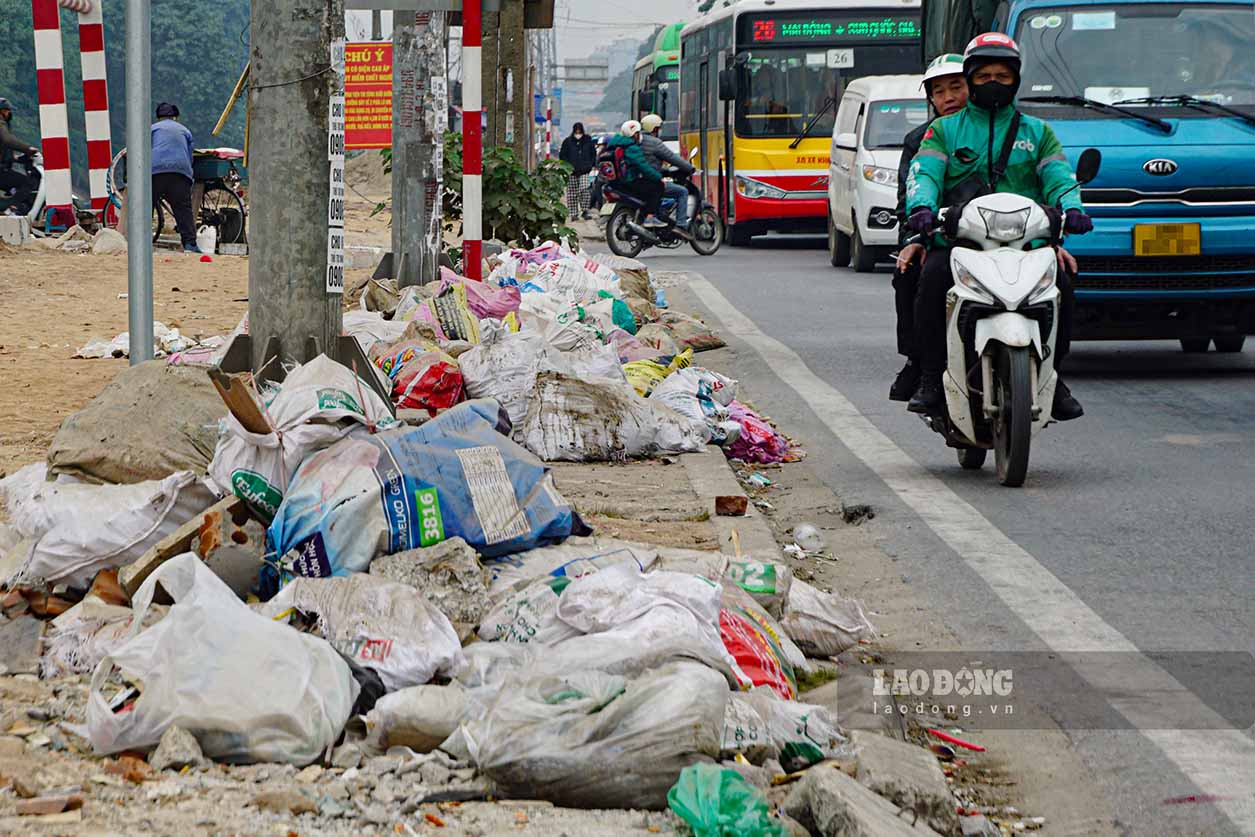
x: 718, y: 802
x: 620, y: 313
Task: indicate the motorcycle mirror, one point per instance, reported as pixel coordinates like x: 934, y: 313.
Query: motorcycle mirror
x: 1087, y: 167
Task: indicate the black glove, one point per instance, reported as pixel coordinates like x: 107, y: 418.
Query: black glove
x: 1076, y: 222
x: 922, y: 220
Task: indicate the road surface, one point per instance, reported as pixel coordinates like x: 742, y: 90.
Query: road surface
x: 1133, y: 533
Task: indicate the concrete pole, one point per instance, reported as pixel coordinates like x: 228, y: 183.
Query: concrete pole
x: 376, y: 25
x: 419, y: 117
x: 513, y: 46
x: 139, y: 187
x: 291, y: 85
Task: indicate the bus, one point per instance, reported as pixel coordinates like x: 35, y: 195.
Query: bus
x: 656, y: 82
x: 759, y: 86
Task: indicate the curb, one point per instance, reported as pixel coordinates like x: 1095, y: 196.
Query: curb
x: 710, y: 475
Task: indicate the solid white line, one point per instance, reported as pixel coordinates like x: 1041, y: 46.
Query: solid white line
x: 1218, y: 761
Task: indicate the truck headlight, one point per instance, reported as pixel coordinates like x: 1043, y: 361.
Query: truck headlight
x: 876, y: 174
x: 751, y: 188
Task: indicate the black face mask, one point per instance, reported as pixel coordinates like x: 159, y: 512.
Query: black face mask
x: 993, y: 95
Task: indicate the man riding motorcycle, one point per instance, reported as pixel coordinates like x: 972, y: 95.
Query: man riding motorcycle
x: 945, y: 88
x: 657, y: 153
x: 988, y: 146
x: 10, y: 149
x: 639, y: 179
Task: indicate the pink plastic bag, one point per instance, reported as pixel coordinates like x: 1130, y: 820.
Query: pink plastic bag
x: 482, y: 300
x: 759, y: 441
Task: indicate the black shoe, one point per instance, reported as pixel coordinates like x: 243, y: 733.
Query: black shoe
x: 906, y: 383
x: 929, y: 396
x: 1066, y: 407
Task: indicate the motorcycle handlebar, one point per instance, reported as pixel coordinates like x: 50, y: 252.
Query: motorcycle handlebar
x: 1055, y: 215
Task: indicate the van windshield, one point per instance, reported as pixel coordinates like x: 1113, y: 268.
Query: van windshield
x: 1119, y: 52
x: 890, y: 121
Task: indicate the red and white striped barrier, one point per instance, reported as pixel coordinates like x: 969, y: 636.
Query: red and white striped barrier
x: 91, y: 44
x: 54, y: 126
x: 472, y: 140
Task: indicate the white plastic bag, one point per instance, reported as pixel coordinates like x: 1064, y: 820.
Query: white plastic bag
x: 420, y: 718
x: 250, y: 689
x: 378, y: 624
x: 317, y: 404
x: 762, y: 725
x: 83, y: 528
x: 702, y: 396
x: 824, y: 624
x: 571, y: 559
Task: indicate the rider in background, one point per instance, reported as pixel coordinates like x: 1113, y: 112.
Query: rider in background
x: 657, y: 153
x: 638, y: 178
x: 12, y: 182
x: 946, y: 91
x: 958, y: 157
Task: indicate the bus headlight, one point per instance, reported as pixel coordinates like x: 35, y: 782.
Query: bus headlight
x: 751, y: 188
x: 876, y: 174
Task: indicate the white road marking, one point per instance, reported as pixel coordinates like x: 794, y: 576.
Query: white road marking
x: 1219, y: 761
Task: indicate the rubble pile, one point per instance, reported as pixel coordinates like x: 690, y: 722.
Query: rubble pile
x: 376, y: 616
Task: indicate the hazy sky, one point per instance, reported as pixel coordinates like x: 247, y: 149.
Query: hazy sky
x: 583, y: 25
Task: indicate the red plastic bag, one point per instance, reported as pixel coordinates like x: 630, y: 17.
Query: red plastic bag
x: 423, y: 377
x: 759, y: 441
x: 750, y: 642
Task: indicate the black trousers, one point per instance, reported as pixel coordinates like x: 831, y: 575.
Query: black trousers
x: 26, y: 184
x: 905, y: 286
x: 930, y: 313
x: 649, y: 191
x: 176, y: 190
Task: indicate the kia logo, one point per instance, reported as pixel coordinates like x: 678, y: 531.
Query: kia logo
x: 1160, y: 167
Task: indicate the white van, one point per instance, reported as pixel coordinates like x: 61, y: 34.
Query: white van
x: 876, y: 113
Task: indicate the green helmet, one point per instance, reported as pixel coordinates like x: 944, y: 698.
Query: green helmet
x: 949, y: 64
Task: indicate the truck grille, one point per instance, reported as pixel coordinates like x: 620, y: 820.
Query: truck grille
x: 1164, y: 282
x: 1182, y: 264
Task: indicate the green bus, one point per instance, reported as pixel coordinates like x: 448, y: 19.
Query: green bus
x: 656, y: 82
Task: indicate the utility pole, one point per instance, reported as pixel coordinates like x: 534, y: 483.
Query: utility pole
x: 293, y: 304
x: 419, y: 118
x: 139, y: 152
x: 376, y: 25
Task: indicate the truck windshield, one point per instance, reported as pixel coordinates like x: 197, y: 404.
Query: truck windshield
x: 889, y: 122
x: 1120, y: 52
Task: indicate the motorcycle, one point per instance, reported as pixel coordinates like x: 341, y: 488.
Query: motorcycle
x: 1001, y: 327
x: 27, y: 204
x: 627, y: 235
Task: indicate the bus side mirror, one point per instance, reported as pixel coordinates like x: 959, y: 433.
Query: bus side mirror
x: 728, y: 84
x: 1087, y: 167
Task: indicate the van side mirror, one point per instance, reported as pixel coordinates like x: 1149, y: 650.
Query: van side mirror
x: 846, y: 141
x: 728, y: 83
x: 1087, y: 167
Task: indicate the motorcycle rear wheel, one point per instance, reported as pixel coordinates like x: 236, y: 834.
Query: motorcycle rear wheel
x: 707, y: 231
x: 1013, y: 426
x: 621, y: 240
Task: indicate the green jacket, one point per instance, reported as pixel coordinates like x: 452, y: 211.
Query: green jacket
x: 956, y: 147
x: 638, y: 167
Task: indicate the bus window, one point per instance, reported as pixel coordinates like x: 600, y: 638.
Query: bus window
x: 784, y: 94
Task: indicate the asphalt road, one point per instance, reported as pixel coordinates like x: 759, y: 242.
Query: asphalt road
x: 1142, y: 510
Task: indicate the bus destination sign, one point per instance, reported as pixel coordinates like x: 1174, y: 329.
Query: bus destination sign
x: 832, y: 28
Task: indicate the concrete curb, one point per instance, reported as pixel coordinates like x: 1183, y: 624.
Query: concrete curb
x: 710, y: 475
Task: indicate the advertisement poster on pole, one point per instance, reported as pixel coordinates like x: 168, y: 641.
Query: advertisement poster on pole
x: 368, y: 95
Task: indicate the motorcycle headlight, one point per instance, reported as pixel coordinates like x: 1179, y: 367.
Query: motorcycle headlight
x: 876, y: 174
x: 1043, y: 286
x: 1005, y: 226
x: 751, y: 188
x: 965, y: 278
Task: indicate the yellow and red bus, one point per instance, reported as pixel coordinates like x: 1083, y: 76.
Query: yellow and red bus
x: 759, y: 85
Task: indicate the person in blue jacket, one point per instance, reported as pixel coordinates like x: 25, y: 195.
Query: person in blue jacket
x: 172, y: 171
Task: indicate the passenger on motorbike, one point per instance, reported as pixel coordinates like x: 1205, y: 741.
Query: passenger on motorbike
x: 637, y: 177
x: 13, y: 182
x: 974, y: 152
x: 657, y: 153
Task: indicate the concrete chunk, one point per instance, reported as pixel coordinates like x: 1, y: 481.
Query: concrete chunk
x: 831, y: 804
x: 906, y: 775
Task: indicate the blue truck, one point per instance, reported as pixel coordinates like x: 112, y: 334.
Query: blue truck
x: 1165, y: 89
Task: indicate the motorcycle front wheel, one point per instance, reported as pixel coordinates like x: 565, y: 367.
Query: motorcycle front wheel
x: 619, y: 238
x: 707, y: 230
x: 1013, y: 426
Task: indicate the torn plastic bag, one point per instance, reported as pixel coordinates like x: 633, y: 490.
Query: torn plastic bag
x: 380, y: 494
x: 378, y: 624
x: 824, y: 624
x: 718, y: 802
x: 597, y: 421
x: 251, y: 689
x: 758, y: 440
x: 87, y: 633
x: 87, y: 528
x: 592, y: 740
x: 315, y: 406
x: 528, y: 615
x: 760, y: 725
x: 420, y: 717
x: 482, y: 300
x: 702, y: 396
x: 644, y: 375
x: 369, y: 327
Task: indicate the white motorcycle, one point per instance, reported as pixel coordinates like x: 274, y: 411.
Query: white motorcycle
x: 1002, y: 317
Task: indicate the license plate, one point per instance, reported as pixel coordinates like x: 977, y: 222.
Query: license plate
x: 1167, y: 239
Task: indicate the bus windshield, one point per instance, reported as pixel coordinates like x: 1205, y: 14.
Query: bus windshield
x: 889, y: 122
x: 1120, y: 52
x: 788, y: 86
x: 667, y: 101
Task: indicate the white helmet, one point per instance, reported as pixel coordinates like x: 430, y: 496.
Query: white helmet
x: 630, y: 128
x: 950, y: 64
x: 651, y: 123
